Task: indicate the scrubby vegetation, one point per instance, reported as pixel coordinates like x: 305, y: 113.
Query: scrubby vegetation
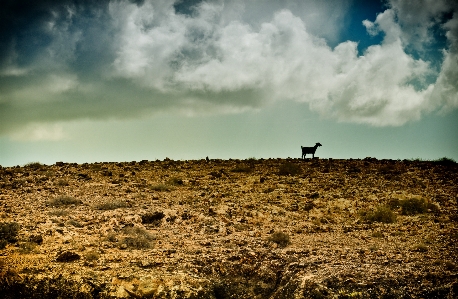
x: 161, y: 187
x: 26, y: 247
x: 445, y: 161
x: 243, y: 168
x: 413, y: 206
x: 289, y: 168
x: 111, y: 205
x: 136, y: 238
x: 8, y: 233
x: 174, y: 181
x: 381, y: 214
x: 58, y: 212
x: 92, y: 256
x: 280, y: 238
x: 34, y: 165
x: 64, y: 200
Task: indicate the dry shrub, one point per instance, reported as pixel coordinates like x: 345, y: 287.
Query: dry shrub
x: 8, y: 233
x: 243, y: 168
x: 64, y: 200
x: 381, y: 214
x: 445, y: 161
x: 112, y: 237
x: 62, y: 183
x: 174, y: 181
x: 8, y: 275
x: 34, y: 165
x: 414, y: 206
x: 26, y: 247
x: 281, y: 238
x: 58, y: 212
x: 111, y: 205
x: 136, y: 238
x: 74, y: 223
x: 420, y: 247
x: 91, y: 256
x: 377, y: 234
x: 289, y: 169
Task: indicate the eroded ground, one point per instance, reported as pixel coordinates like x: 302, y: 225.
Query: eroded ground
x: 275, y: 228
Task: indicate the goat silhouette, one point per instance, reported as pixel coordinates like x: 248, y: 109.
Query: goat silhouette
x: 310, y: 150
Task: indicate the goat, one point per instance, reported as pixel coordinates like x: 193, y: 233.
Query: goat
x: 309, y: 150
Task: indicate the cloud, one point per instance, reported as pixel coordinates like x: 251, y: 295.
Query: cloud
x: 117, y: 59
x: 39, y: 132
x: 445, y: 91
x: 281, y: 60
x: 417, y: 19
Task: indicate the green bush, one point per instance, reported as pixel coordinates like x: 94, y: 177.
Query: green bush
x: 381, y: 214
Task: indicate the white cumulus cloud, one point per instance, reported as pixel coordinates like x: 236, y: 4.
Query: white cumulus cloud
x: 281, y: 60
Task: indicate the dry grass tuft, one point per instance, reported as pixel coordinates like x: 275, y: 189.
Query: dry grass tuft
x: 8, y: 233
x: 381, y: 214
x: 111, y: 205
x: 64, y: 200
x: 136, y: 238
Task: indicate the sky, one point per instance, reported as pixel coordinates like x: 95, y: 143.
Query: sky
x: 118, y: 80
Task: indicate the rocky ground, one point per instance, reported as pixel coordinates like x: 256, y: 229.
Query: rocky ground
x: 267, y: 228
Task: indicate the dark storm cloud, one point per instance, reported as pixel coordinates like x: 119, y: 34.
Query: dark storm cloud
x: 67, y: 60
x: 186, y: 7
x: 24, y: 25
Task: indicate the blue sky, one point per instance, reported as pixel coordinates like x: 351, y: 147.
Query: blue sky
x: 85, y: 81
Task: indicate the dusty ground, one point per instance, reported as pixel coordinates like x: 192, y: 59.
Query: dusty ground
x: 275, y: 228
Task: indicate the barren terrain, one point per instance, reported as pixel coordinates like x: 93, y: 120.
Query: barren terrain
x: 266, y: 228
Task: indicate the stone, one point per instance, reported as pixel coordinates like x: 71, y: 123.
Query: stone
x: 67, y: 256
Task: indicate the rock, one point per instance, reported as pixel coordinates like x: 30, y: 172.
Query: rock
x: 67, y: 256
x: 152, y: 218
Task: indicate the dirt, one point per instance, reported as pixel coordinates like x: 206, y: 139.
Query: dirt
x: 257, y: 228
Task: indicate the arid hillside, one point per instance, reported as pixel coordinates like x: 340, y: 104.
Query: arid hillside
x: 267, y: 228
